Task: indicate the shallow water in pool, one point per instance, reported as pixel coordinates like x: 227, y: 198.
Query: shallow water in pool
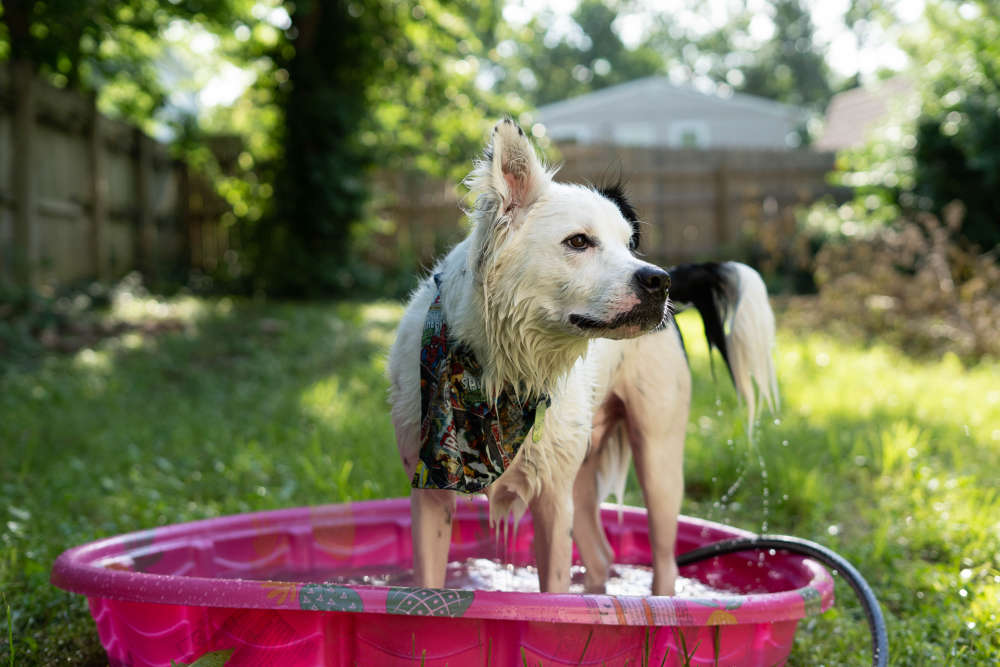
x: 484, y: 574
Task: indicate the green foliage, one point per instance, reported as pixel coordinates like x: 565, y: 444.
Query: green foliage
x: 957, y: 155
x: 944, y: 145
x: 428, y: 112
x: 543, y: 68
x: 30, y: 321
x: 394, y: 90
x: 788, y: 67
x: 105, y: 45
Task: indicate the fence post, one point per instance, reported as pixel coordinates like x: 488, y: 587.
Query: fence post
x: 184, y: 218
x: 722, y: 203
x: 659, y: 189
x: 22, y: 171
x: 98, y: 196
x: 144, y: 230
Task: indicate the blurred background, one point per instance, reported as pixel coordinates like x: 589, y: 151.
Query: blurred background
x: 315, y: 148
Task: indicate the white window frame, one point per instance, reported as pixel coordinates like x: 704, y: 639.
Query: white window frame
x: 680, y: 129
x: 634, y: 134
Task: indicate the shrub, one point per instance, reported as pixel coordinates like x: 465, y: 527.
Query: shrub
x: 913, y: 283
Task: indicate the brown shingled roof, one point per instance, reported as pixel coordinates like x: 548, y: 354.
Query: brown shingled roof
x: 853, y: 113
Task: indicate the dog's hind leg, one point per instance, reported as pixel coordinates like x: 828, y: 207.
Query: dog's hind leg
x: 661, y: 477
x: 656, y: 390
x: 432, y: 511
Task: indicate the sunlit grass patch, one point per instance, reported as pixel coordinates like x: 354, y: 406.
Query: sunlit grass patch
x: 891, y: 462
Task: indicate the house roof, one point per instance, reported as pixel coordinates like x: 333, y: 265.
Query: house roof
x: 852, y: 114
x: 661, y: 85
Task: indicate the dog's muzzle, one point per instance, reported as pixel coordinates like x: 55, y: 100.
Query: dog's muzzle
x: 651, y: 285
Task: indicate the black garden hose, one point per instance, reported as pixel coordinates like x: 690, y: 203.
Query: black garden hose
x: 795, y: 545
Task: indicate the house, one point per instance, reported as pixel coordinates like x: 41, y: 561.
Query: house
x: 653, y: 112
x: 853, y: 114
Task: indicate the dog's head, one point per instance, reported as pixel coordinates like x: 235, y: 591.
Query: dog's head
x: 558, y: 258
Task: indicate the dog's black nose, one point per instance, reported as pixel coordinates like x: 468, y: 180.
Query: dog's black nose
x: 653, y: 279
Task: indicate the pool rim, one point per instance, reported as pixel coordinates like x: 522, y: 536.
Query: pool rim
x: 78, y: 570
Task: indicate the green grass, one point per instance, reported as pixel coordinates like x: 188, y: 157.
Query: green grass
x: 893, y: 463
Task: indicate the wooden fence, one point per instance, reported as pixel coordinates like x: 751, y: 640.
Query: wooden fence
x: 83, y: 196
x: 696, y: 204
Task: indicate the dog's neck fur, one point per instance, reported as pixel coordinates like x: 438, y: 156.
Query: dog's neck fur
x: 513, y: 347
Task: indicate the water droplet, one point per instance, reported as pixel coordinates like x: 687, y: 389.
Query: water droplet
x: 784, y: 443
x: 777, y: 421
x: 963, y: 593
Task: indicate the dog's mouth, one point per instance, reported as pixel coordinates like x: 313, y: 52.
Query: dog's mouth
x: 631, y: 323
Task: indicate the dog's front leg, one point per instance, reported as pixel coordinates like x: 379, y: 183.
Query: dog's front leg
x: 552, y: 516
x: 431, y: 511
x: 595, y: 552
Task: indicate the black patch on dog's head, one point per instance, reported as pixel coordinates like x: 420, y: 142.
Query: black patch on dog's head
x: 616, y: 193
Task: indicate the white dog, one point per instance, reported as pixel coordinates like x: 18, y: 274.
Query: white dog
x: 520, y: 368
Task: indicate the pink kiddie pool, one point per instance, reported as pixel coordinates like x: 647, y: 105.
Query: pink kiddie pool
x: 267, y: 589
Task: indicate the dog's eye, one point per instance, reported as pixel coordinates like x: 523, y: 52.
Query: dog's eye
x: 579, y: 242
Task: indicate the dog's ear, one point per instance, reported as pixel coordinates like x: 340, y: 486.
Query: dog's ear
x: 510, y: 177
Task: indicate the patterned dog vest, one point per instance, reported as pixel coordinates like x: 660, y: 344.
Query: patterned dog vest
x: 467, y: 442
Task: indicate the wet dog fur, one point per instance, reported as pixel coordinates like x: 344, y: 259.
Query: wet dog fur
x: 548, y: 292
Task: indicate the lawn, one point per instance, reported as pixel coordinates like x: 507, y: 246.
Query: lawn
x: 892, y: 462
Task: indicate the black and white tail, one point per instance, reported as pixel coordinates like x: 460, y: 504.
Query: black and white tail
x: 732, y: 300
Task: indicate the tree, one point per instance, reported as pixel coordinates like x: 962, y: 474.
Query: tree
x: 368, y: 83
x: 957, y: 152
x: 790, y: 67
x: 100, y: 44
x: 787, y: 67
x: 544, y: 68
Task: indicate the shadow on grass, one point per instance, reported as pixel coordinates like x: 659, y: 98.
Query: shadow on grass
x: 253, y: 406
